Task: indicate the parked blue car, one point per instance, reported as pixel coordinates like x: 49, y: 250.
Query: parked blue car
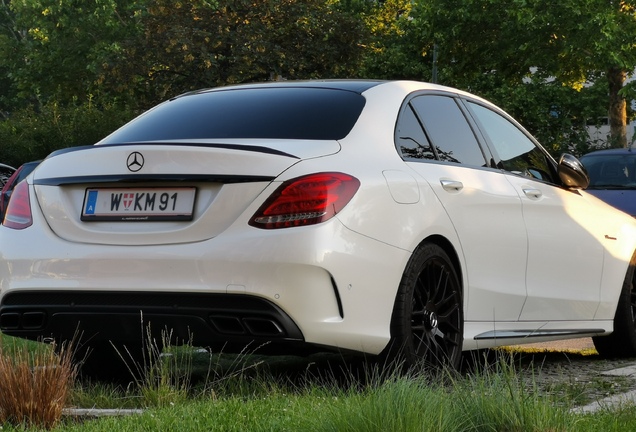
x: 613, y: 177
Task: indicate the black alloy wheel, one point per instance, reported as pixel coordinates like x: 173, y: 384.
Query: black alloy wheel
x: 428, y: 324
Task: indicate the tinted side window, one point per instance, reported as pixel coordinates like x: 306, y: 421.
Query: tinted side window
x: 448, y: 130
x: 517, y: 153
x: 410, y: 137
x: 277, y: 112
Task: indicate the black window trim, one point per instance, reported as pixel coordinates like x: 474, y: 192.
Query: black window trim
x: 481, y: 142
x: 496, y: 161
x: 407, y: 106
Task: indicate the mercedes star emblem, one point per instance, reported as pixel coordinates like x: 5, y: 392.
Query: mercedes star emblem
x: 135, y: 161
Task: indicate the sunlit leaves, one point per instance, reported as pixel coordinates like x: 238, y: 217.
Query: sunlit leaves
x: 205, y: 44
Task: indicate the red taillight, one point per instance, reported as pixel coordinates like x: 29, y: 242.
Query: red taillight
x: 306, y: 200
x: 18, y: 215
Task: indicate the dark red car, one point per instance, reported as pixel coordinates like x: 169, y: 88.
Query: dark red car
x: 15, y: 178
x: 6, y: 171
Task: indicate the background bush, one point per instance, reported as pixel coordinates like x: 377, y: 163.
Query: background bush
x: 31, y: 135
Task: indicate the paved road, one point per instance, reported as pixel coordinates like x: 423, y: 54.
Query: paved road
x: 566, y: 362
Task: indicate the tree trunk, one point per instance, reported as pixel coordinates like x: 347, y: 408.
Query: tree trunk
x: 617, y: 108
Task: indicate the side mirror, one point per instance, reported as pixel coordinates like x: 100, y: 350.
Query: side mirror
x: 572, y: 172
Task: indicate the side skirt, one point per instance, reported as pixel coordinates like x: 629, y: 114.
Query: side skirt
x: 479, y: 335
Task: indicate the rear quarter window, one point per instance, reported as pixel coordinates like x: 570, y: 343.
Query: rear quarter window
x: 448, y: 130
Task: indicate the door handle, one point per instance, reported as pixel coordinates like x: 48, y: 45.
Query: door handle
x: 452, y: 185
x: 532, y: 193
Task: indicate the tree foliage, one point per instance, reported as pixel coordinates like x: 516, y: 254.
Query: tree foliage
x: 32, y: 134
x: 535, y: 58
x: 147, y: 50
x: 572, y: 42
x: 67, y: 62
x: 61, y: 46
x: 396, y: 49
x: 206, y: 43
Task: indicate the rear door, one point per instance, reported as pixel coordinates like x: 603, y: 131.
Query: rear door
x: 437, y: 142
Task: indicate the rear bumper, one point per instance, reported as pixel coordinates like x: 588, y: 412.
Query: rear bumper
x: 200, y: 319
x: 321, y: 286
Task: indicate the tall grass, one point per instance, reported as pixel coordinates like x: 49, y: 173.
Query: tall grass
x: 495, y: 398
x: 163, y: 375
x: 499, y: 398
x: 35, y: 385
x: 190, y: 390
x: 489, y: 400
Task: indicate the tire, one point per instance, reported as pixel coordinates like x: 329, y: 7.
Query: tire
x: 622, y: 342
x: 427, y: 325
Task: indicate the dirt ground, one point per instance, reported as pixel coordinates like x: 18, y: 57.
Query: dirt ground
x: 564, y: 345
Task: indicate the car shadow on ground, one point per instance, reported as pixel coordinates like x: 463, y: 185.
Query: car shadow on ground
x: 543, y: 366
x: 345, y: 369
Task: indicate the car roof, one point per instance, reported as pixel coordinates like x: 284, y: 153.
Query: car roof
x: 613, y: 151
x: 357, y: 86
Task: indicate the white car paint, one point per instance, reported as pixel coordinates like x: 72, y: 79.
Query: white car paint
x: 534, y: 259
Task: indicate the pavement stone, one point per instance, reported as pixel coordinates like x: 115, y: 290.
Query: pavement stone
x: 626, y: 369
x: 615, y: 400
x: 610, y: 402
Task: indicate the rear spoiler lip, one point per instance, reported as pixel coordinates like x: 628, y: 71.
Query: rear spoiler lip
x: 241, y: 147
x: 136, y: 178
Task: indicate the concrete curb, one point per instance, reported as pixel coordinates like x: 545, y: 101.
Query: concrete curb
x: 614, y: 401
x: 608, y: 403
x: 94, y: 412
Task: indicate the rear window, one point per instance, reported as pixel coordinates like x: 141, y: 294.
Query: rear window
x: 283, y: 113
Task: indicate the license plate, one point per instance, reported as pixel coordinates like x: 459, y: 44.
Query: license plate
x: 138, y: 204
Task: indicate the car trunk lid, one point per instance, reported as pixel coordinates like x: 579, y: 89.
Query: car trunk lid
x: 118, y: 194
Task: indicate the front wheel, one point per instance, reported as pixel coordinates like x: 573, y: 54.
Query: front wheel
x: 622, y: 342
x: 427, y: 326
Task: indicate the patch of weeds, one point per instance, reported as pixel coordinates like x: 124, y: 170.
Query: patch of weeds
x: 500, y: 396
x: 163, y: 376
x: 171, y: 371
x: 35, y: 384
x: 572, y: 390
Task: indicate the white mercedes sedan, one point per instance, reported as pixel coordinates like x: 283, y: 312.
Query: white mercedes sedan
x: 399, y: 219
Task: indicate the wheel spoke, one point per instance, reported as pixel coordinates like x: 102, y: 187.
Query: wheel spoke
x: 439, y: 352
x: 419, y: 299
x: 436, y: 286
x: 448, y: 308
